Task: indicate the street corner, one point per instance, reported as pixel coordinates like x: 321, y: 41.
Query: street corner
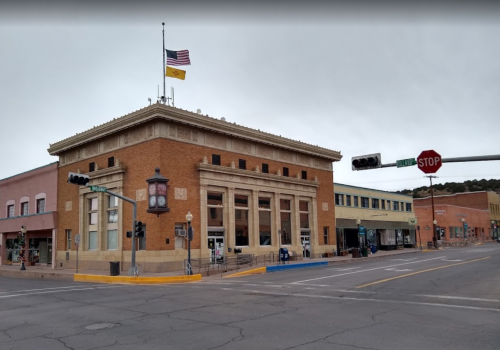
x: 136, y: 280
x: 256, y: 271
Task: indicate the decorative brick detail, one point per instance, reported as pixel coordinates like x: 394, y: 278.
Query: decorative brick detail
x: 321, y: 163
x: 68, y: 206
x: 195, y: 136
x: 242, y: 146
x: 109, y: 178
x: 92, y: 149
x: 71, y: 156
x: 172, y: 131
x: 110, y: 143
x: 286, y: 156
x: 181, y: 194
x: 324, y: 206
x: 135, y: 135
x: 305, y: 160
x: 184, y: 133
x: 140, y: 195
x: 215, y: 140
x: 264, y: 151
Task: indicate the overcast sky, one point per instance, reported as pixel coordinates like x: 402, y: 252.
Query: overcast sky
x: 367, y: 79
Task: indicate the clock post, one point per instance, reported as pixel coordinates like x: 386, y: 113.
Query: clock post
x: 157, y: 192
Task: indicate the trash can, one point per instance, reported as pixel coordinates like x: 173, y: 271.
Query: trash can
x: 284, y: 255
x: 114, y: 268
x: 373, y: 248
x: 355, y: 252
x: 364, y: 250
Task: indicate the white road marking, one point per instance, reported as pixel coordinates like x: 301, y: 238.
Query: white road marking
x: 374, y: 300
x: 366, y: 270
x: 398, y: 270
x: 451, y: 260
x: 405, y: 259
x: 55, y: 291
x: 455, y: 297
x: 39, y: 289
x: 344, y: 268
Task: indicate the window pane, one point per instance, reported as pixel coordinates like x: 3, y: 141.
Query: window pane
x: 240, y: 201
x: 93, y: 203
x: 112, y: 239
x: 375, y: 203
x: 93, y: 219
x: 286, y: 228
x: 284, y: 204
x: 325, y: 235
x: 93, y: 240
x: 304, y: 220
x: 214, y: 198
x: 24, y: 208
x: 348, y: 200
x: 303, y: 206
x: 112, y: 202
x: 215, y: 217
x: 355, y: 201
x: 112, y: 216
x: 265, y: 227
x: 10, y: 211
x: 40, y: 206
x: 241, y: 227
x: 264, y: 203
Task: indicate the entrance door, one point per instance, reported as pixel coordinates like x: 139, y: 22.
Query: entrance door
x: 43, y: 252
x: 49, y: 251
x: 216, y: 246
x: 306, y: 246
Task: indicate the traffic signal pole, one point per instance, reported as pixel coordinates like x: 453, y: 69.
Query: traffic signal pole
x: 134, y: 216
x: 456, y: 160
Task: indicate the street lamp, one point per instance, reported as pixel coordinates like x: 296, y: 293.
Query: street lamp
x: 463, y: 229
x: 22, y: 243
x: 434, y: 223
x: 493, y: 235
x: 189, y: 218
x: 358, y: 222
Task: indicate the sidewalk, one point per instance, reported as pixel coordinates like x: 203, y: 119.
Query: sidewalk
x: 102, y: 276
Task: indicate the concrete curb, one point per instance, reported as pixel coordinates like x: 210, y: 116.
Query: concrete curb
x: 256, y: 271
x: 136, y: 280
x: 295, y: 266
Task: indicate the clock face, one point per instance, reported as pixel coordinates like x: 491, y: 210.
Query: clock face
x: 152, y: 201
x: 152, y: 189
x: 161, y: 201
x: 162, y: 189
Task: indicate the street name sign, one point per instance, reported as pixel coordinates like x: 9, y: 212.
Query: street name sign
x: 429, y: 161
x: 98, y: 188
x: 406, y: 162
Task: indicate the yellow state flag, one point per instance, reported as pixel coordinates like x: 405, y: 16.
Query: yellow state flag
x: 176, y: 73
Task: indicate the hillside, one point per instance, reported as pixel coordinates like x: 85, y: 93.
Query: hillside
x: 454, y: 187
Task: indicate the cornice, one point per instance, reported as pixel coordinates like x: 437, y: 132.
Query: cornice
x: 254, y: 174
x: 160, y: 111
x: 117, y: 169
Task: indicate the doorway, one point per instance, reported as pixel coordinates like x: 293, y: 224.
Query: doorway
x: 306, y: 246
x: 216, y: 246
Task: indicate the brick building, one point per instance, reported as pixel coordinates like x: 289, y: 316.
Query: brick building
x: 488, y: 201
x: 29, y: 199
x: 244, y: 187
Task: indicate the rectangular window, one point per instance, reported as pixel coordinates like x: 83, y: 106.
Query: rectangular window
x: 112, y: 209
x: 339, y: 199
x: 92, y: 240
x: 91, y: 167
x: 408, y: 206
x: 24, y: 208
x: 215, y: 209
x: 242, y: 164
x: 382, y: 202
x: 375, y: 203
x: 348, y: 200
x: 304, y: 214
x: 395, y: 205
x: 265, y: 168
x: 111, y: 162
x: 388, y: 205
x: 40, y: 205
x: 285, y: 171
x: 325, y: 235
x: 10, y: 211
x: 241, y: 220
x: 402, y: 206
x: 304, y: 175
x: 264, y: 221
x: 112, y: 239
x: 215, y: 159
x: 286, y: 221
x: 68, y: 239
x: 356, y: 201
x: 365, y: 202
x: 93, y: 211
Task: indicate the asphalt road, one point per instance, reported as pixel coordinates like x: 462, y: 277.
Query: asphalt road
x: 448, y: 299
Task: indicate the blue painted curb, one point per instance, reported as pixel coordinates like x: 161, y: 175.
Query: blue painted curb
x: 296, y: 266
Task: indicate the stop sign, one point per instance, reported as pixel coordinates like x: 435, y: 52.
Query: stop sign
x: 429, y: 161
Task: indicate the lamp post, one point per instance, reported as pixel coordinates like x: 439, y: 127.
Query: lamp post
x: 463, y: 229
x: 493, y: 235
x: 434, y: 223
x: 189, y: 218
x: 22, y: 243
x: 358, y: 222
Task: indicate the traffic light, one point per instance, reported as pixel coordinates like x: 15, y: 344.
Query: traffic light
x: 78, y: 179
x: 139, y: 232
x: 369, y: 161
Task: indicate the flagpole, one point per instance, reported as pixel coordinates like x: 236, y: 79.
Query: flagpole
x: 163, y: 69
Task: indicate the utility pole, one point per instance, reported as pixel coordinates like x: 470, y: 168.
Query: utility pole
x: 433, y: 217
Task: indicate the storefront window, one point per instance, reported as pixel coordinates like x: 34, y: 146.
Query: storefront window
x: 241, y: 220
x: 264, y: 221
x: 112, y: 239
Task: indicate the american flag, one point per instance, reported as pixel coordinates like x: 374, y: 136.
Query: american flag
x: 178, y: 58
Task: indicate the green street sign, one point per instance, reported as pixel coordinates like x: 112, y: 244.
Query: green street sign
x: 98, y: 189
x: 406, y: 162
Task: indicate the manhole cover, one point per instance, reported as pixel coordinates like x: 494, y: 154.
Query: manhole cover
x: 97, y: 326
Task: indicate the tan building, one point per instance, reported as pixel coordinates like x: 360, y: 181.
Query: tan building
x: 245, y: 188
x: 373, y: 217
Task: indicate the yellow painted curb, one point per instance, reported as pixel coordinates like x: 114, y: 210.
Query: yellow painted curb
x: 249, y: 272
x: 135, y: 280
